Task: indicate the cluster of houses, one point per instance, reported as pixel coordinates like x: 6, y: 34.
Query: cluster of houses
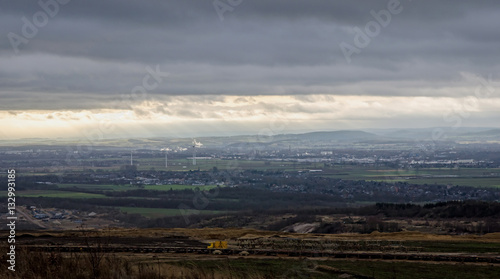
x: 386, y: 192
x: 57, y: 215
x: 152, y: 179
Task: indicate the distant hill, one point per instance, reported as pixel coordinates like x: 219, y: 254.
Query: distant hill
x: 410, y: 134
x: 450, y: 133
x: 306, y: 139
x: 493, y: 132
x: 311, y: 139
x: 345, y: 135
x: 488, y: 135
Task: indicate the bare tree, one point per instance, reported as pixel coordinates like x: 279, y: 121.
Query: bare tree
x: 95, y: 245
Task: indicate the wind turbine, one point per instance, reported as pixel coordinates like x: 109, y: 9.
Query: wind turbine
x: 195, y: 145
x: 166, y: 149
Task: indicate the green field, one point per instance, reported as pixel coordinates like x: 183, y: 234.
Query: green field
x: 177, y: 165
x: 105, y: 187
x: 163, y: 212
x: 178, y: 187
x: 204, y: 165
x: 439, y: 176
x: 476, y: 177
x: 475, y: 182
x: 58, y: 194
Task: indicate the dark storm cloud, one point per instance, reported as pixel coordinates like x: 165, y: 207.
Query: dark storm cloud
x: 256, y: 32
x: 99, y: 49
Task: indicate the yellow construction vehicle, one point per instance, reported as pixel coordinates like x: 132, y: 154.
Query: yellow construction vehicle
x: 218, y: 245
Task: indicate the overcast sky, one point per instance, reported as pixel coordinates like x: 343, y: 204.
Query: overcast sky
x: 200, y: 67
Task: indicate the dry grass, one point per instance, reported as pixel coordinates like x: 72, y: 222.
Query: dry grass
x: 40, y: 265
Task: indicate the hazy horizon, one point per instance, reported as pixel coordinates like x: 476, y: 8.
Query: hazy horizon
x: 424, y: 133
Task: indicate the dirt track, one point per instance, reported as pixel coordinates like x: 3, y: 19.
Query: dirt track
x: 208, y: 234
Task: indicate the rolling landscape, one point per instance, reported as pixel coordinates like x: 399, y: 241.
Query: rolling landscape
x: 314, y: 205
x: 249, y: 139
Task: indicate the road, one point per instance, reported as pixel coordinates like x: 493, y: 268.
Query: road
x: 30, y: 218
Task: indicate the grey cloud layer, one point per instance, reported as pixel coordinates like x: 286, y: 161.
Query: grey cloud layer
x: 93, y: 51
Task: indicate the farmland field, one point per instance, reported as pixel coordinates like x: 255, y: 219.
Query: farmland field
x: 58, y: 194
x: 477, y: 177
x: 178, y: 187
x: 475, y: 182
x: 203, y: 164
x: 105, y: 187
x: 439, y: 176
